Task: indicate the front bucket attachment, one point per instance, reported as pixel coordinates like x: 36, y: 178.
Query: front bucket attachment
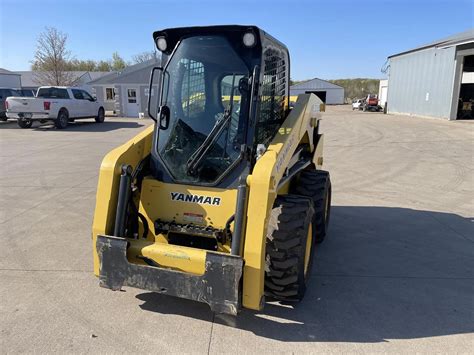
x: 218, y: 287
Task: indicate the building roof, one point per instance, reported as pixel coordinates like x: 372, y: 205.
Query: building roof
x: 315, y: 84
x: 453, y: 40
x: 119, y: 76
x: 80, y: 77
x: 8, y: 72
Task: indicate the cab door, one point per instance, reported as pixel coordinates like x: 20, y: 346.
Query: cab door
x: 90, y: 105
x: 79, y: 104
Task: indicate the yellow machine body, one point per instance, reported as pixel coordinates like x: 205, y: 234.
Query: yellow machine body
x: 154, y: 202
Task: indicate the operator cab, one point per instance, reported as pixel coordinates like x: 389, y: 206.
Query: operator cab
x: 209, y: 120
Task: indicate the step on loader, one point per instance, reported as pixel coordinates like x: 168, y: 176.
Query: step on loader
x: 223, y: 199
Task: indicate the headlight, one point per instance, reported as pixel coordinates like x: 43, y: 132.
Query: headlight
x: 249, y: 39
x: 161, y: 43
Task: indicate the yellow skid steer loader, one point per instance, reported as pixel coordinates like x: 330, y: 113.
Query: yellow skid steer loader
x: 223, y: 199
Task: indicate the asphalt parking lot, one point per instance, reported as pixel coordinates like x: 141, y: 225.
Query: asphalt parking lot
x: 396, y: 273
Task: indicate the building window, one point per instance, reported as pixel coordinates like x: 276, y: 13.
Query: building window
x: 109, y: 94
x: 132, y: 96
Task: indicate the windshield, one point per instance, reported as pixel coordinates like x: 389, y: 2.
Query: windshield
x: 201, y: 88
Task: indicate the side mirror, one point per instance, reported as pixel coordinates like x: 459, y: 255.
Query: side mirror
x: 164, y: 117
x: 244, y: 85
x: 150, y: 89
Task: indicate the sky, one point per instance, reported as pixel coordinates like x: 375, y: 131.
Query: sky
x: 326, y: 39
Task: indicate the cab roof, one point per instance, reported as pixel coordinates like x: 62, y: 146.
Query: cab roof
x: 173, y: 35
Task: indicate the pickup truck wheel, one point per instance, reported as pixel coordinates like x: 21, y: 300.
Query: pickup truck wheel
x: 100, y: 116
x: 3, y: 119
x: 24, y: 122
x: 62, y: 121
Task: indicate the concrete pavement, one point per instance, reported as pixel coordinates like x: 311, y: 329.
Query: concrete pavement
x: 395, y: 274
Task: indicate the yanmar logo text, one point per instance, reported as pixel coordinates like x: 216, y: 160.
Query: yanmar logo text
x: 202, y: 200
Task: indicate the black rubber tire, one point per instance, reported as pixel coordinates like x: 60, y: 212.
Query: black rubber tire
x: 100, y: 116
x: 316, y: 184
x: 3, y: 119
x: 63, y: 119
x: 24, y: 123
x: 287, y: 234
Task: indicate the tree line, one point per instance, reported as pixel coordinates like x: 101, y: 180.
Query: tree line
x: 357, y: 88
x: 53, y: 62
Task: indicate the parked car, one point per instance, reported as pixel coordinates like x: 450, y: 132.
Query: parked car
x: 356, y: 104
x: 4, y: 93
x: 26, y: 92
x: 55, y: 103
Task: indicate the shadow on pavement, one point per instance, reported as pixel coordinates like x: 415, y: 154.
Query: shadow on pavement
x: 8, y: 124
x: 78, y: 126
x: 383, y: 273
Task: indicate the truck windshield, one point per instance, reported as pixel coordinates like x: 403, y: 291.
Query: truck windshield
x: 205, y: 86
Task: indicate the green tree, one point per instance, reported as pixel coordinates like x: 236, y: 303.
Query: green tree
x: 357, y: 88
x: 103, y: 65
x: 295, y: 82
x: 117, y: 62
x: 82, y: 65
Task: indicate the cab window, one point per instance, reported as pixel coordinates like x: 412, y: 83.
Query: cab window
x: 52, y: 93
x: 272, y: 104
x: 193, y: 95
x: 77, y: 94
x: 86, y: 95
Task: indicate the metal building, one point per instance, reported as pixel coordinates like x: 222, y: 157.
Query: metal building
x: 434, y: 80
x: 329, y: 93
x: 9, y: 79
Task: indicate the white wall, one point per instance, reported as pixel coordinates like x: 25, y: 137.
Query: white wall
x: 10, y: 81
x: 334, y: 96
x: 383, y: 90
x: 467, y: 78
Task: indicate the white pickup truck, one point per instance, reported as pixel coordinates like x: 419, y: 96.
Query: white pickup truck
x: 54, y: 103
